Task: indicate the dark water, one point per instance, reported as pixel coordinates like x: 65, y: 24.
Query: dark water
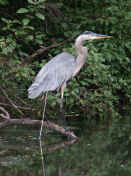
x: 96, y: 153
x: 20, y: 151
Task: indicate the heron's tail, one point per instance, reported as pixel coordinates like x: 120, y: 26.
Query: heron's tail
x: 37, y: 88
x: 43, y: 83
x: 34, y: 91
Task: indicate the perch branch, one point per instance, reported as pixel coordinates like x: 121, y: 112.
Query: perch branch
x: 46, y: 124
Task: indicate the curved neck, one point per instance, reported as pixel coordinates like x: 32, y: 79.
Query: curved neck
x: 82, y: 54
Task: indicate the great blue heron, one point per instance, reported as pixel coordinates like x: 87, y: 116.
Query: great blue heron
x: 55, y: 74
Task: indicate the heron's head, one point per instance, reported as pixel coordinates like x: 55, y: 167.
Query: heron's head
x: 88, y: 35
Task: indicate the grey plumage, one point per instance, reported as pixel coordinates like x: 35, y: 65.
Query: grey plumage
x: 61, y: 68
x: 57, y: 71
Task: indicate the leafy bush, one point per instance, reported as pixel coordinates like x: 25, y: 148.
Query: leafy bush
x: 102, y: 89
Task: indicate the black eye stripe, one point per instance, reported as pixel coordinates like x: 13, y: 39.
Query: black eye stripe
x: 87, y: 32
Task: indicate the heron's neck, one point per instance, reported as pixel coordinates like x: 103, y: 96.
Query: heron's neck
x: 82, y: 54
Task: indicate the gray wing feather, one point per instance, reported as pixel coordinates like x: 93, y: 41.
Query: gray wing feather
x: 53, y: 74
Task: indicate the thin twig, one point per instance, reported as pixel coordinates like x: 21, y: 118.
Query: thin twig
x: 20, y: 107
x: 21, y: 100
x: 6, y: 116
x: 11, y: 102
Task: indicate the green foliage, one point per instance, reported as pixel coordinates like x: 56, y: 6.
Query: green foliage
x: 101, y: 92
x: 102, y: 89
x: 5, y: 2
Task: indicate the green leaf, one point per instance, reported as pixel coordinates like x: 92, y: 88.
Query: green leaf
x: 20, y: 32
x: 22, y: 10
x: 25, y: 21
x: 28, y: 27
x: 36, y: 2
x: 29, y: 37
x: 5, y: 20
x: 41, y: 16
x: 39, y: 41
x: 5, y: 2
x: 16, y: 21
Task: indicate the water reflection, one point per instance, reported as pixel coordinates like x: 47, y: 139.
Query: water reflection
x: 19, y: 150
x: 99, y: 152
x: 51, y: 148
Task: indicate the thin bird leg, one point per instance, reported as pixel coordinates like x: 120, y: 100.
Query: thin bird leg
x: 44, y: 98
x: 62, y: 105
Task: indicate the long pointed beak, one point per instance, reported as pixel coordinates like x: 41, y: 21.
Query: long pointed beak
x: 99, y: 36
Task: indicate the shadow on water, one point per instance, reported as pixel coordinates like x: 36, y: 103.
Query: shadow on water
x: 98, y: 152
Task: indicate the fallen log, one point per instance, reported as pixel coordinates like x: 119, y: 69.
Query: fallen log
x: 46, y: 124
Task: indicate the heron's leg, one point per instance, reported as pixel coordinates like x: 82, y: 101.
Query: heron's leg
x: 44, y: 99
x: 62, y: 104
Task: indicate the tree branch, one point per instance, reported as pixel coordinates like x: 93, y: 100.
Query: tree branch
x: 60, y: 145
x: 19, y: 107
x: 6, y: 116
x: 46, y: 124
x: 11, y: 102
x: 42, y: 50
